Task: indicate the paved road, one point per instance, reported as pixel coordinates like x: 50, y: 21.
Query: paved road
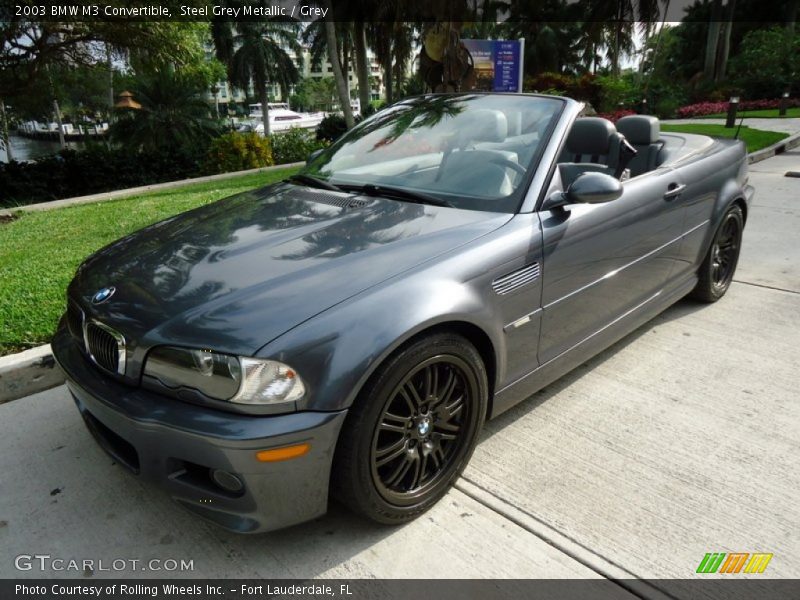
x: 682, y: 439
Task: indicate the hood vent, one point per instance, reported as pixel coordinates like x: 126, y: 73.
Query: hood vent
x: 516, y: 279
x: 331, y: 198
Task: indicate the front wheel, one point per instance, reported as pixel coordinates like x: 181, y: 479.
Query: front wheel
x: 716, y: 272
x: 412, y: 429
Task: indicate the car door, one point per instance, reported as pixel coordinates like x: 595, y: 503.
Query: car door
x: 601, y: 261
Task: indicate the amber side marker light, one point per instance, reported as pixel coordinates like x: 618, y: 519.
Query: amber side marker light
x: 284, y: 453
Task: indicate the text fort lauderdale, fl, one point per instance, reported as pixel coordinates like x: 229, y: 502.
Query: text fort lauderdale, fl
x: 168, y: 589
x: 253, y: 11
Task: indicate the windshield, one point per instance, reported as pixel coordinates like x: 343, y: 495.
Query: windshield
x: 468, y: 151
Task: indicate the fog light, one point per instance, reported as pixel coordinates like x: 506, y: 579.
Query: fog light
x: 227, y: 481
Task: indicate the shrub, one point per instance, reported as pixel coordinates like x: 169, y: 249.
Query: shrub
x: 548, y: 81
x: 331, y: 128
x: 666, y: 107
x: 616, y: 115
x: 701, y: 109
x: 616, y: 93
x: 294, y: 145
x: 91, y: 171
x: 237, y: 151
x: 587, y: 88
x: 766, y: 64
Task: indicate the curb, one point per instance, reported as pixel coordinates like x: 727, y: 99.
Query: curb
x: 126, y: 193
x: 793, y: 141
x: 35, y: 370
x: 27, y: 373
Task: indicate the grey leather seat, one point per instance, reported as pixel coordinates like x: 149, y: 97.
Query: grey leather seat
x: 474, y: 168
x: 592, y: 145
x: 643, y: 133
x: 478, y: 173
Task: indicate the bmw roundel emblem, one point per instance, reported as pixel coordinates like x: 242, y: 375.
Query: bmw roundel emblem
x: 103, y: 295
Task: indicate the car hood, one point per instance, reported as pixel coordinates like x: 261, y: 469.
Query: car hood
x: 238, y: 273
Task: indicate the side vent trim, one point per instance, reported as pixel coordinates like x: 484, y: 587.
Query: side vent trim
x: 516, y: 279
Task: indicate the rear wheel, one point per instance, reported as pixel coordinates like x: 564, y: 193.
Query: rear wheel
x: 412, y: 430
x: 716, y: 272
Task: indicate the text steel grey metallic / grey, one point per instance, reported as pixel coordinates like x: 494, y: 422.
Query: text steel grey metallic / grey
x: 356, y: 324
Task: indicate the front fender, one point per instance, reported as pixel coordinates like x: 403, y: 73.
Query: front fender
x: 335, y: 366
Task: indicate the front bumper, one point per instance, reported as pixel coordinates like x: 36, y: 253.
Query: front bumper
x: 176, y: 445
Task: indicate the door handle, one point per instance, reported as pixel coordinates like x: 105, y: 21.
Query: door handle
x: 674, y: 190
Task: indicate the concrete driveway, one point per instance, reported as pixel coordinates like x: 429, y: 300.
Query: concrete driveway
x: 682, y: 439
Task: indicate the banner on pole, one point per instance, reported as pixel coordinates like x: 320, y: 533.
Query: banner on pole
x: 498, y: 64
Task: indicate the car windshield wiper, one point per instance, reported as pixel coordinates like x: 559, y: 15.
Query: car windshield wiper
x: 372, y: 189
x: 313, y: 182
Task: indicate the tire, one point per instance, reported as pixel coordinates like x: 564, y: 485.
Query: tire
x: 716, y: 272
x: 412, y: 429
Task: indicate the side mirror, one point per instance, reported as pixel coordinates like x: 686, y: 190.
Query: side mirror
x: 588, y: 188
x: 313, y: 155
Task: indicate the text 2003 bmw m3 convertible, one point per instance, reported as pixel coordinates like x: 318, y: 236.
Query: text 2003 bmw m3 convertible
x: 352, y: 327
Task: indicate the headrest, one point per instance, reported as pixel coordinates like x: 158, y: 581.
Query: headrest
x: 485, y: 125
x: 639, y: 130
x: 590, y: 135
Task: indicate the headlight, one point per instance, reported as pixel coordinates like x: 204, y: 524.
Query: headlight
x: 225, y: 377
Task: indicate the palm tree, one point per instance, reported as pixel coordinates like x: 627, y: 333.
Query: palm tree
x: 338, y: 76
x: 551, y: 34
x: 402, y: 50
x: 316, y: 37
x: 255, y: 52
x: 173, y: 114
x: 362, y: 64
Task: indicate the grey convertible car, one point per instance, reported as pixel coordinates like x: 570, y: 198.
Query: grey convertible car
x: 350, y: 329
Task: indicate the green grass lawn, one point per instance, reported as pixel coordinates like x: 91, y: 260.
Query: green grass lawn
x: 39, y: 251
x: 755, y: 139
x: 767, y: 113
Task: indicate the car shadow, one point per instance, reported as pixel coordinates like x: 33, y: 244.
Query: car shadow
x: 677, y: 311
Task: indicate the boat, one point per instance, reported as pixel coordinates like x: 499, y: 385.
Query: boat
x: 281, y: 118
x: 49, y: 131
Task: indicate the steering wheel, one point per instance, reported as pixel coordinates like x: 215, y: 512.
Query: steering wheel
x: 505, y: 162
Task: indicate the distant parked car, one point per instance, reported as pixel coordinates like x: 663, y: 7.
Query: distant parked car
x: 356, y: 324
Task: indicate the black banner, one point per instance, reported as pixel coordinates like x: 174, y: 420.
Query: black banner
x: 407, y: 11
x: 397, y: 589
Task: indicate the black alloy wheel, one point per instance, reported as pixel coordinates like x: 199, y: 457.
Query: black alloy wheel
x: 716, y: 273
x: 725, y: 252
x: 422, y: 428
x: 412, y: 429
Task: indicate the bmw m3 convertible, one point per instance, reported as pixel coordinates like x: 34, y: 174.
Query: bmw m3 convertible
x: 347, y: 331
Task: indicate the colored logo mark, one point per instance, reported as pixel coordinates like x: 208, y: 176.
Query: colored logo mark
x: 735, y: 562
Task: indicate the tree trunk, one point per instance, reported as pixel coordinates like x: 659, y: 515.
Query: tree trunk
x: 658, y: 45
x: 338, y: 77
x: 645, y: 43
x: 346, y: 65
x: 387, y: 76
x: 362, y: 65
x: 712, y: 40
x: 725, y: 43
x: 109, y: 63
x: 264, y: 98
x: 4, y: 132
x: 61, y: 139
x: 615, y: 49
x: 791, y: 14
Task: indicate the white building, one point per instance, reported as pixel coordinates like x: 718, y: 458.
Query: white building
x: 225, y: 94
